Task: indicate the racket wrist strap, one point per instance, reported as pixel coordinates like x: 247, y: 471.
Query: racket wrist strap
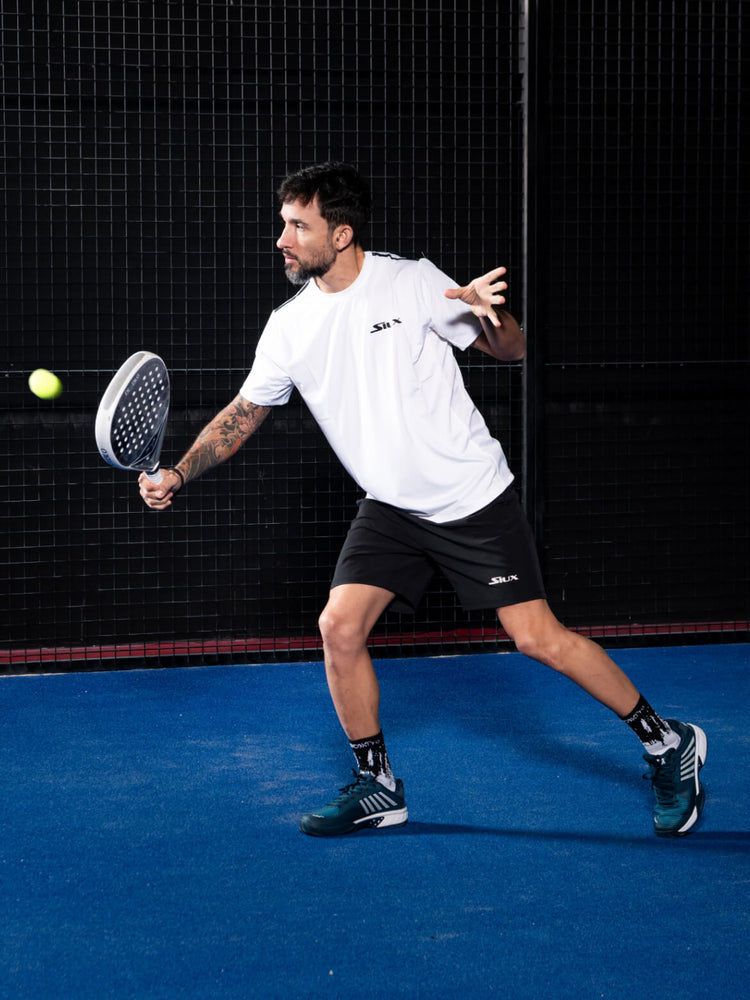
x: 173, y: 468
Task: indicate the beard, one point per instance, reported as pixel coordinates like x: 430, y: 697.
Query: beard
x: 317, y: 266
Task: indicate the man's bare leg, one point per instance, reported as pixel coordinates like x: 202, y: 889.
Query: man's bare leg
x: 345, y: 625
x: 376, y: 798
x: 537, y: 633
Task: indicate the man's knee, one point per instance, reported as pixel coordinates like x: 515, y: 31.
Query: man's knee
x: 536, y: 633
x: 349, y: 615
x: 542, y: 646
x: 341, y: 631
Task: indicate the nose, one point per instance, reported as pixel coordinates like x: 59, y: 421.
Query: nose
x: 284, y: 240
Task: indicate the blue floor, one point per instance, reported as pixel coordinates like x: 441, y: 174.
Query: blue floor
x: 149, y: 844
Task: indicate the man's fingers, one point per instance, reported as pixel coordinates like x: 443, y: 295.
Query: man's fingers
x: 482, y: 294
x: 154, y: 496
x: 493, y: 275
x: 493, y: 317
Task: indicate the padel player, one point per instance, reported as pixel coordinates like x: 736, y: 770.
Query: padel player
x: 368, y: 341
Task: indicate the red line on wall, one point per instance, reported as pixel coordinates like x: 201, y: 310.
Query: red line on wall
x: 165, y: 649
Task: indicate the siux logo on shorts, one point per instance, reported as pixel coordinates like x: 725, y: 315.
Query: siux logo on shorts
x: 503, y: 579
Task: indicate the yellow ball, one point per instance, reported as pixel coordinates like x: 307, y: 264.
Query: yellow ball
x: 44, y: 384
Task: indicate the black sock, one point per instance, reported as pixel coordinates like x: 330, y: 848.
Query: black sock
x: 372, y: 757
x: 655, y: 734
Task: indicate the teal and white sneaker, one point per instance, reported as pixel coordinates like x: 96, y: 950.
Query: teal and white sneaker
x: 674, y: 778
x: 365, y: 802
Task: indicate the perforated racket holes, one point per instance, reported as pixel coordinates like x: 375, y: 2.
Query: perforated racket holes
x: 140, y: 411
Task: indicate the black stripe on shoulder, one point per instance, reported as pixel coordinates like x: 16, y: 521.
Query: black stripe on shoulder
x: 390, y: 256
x: 295, y: 296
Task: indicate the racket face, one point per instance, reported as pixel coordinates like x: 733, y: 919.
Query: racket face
x: 133, y: 412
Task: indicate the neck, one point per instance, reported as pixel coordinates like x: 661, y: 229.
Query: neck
x: 344, y: 272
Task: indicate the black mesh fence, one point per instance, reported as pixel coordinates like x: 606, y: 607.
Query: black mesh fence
x: 142, y: 145
x: 646, y: 374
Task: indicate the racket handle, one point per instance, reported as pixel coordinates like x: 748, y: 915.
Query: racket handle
x: 155, y: 476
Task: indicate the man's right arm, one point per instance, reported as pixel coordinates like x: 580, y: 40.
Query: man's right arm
x: 217, y: 442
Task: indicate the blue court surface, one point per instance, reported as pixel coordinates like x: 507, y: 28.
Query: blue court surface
x: 150, y: 847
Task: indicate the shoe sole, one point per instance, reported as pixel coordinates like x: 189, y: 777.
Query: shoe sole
x: 701, y: 748
x: 393, y: 817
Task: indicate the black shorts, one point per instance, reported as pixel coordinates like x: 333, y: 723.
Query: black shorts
x: 489, y: 557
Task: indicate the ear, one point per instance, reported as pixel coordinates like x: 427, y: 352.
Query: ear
x: 342, y: 237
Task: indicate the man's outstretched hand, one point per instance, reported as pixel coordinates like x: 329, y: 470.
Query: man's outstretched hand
x: 482, y: 294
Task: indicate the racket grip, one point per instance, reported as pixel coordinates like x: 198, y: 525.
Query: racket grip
x: 155, y: 476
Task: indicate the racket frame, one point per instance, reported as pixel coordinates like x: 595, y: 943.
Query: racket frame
x: 147, y: 459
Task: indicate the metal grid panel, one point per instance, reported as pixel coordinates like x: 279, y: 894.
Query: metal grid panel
x: 142, y: 145
x: 647, y: 354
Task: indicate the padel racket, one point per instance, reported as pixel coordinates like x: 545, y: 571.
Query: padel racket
x: 132, y: 415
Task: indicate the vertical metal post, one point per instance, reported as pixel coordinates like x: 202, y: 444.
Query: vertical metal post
x: 535, y: 57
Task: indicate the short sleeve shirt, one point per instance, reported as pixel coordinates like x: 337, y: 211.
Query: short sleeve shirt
x: 375, y: 366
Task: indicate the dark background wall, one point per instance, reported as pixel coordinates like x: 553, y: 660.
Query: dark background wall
x: 598, y: 154
x: 646, y: 322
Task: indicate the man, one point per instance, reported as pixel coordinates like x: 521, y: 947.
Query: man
x: 368, y: 341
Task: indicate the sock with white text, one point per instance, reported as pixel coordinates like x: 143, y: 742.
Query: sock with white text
x: 656, y: 735
x: 372, y: 758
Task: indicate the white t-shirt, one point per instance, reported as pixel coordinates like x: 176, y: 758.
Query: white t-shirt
x: 375, y: 367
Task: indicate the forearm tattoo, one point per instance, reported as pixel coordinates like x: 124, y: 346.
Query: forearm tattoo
x: 220, y: 439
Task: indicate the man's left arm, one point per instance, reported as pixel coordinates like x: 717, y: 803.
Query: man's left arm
x: 501, y: 336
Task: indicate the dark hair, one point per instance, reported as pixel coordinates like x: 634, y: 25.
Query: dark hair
x: 343, y: 195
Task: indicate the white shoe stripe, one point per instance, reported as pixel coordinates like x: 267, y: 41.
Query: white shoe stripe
x: 385, y: 801
x: 377, y: 801
x: 687, y: 764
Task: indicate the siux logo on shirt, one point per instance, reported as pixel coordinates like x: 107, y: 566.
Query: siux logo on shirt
x: 385, y: 326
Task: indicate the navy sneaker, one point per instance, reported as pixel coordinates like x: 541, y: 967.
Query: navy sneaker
x: 365, y: 802
x: 674, y: 778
